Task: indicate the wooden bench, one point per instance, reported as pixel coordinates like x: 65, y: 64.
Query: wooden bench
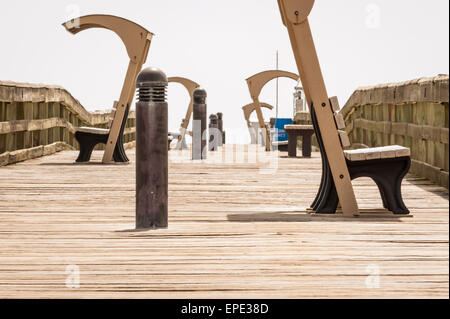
x: 282, y: 146
x: 293, y: 132
x: 386, y: 166
x: 89, y: 137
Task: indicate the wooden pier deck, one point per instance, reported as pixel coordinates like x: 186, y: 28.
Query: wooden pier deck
x: 235, y: 232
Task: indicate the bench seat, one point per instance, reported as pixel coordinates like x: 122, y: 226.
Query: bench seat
x: 281, y: 146
x: 93, y: 130
x: 368, y: 154
x: 298, y: 127
x: 280, y: 143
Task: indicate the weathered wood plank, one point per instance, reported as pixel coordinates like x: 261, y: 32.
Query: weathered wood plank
x: 234, y: 232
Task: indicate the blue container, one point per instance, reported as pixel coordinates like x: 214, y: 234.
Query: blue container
x: 280, y: 134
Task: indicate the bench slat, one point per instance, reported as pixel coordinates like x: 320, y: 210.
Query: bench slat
x: 294, y: 127
x: 367, y: 154
x: 344, y: 139
x: 335, y: 104
x: 93, y: 130
x: 340, y: 123
x: 298, y: 127
x: 280, y: 143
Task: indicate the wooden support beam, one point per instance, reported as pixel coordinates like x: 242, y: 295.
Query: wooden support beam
x: 295, y: 17
x: 190, y: 86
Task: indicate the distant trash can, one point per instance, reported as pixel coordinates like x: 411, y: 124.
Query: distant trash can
x: 280, y: 135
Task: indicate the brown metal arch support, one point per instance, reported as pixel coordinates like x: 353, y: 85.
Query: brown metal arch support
x: 255, y: 85
x: 137, y: 43
x: 295, y: 17
x: 250, y: 108
x: 190, y: 87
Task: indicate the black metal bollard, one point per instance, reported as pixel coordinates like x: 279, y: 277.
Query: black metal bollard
x: 220, y: 124
x: 151, y: 150
x: 199, y: 142
x: 215, y: 136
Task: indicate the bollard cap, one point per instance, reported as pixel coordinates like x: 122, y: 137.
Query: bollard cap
x: 200, y: 96
x: 151, y: 85
x: 213, y: 119
x: 151, y: 77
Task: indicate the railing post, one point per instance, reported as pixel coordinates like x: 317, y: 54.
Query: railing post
x: 151, y: 150
x: 199, y: 142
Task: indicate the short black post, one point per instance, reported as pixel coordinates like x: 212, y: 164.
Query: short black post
x: 199, y: 142
x: 306, y: 145
x: 220, y: 127
x: 292, y: 144
x: 214, y: 134
x: 151, y: 150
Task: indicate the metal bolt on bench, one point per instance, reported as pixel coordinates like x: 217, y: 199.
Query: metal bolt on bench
x: 151, y: 150
x: 199, y: 143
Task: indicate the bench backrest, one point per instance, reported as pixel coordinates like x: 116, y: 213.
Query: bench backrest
x: 339, y: 121
x: 339, y: 127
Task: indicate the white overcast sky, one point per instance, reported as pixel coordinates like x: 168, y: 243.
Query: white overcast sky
x: 219, y: 44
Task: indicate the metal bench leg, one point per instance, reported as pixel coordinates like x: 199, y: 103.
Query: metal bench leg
x: 328, y: 200
x: 391, y: 183
x: 120, y: 155
x: 324, y: 161
x: 87, y: 144
x: 322, y: 183
x: 388, y: 175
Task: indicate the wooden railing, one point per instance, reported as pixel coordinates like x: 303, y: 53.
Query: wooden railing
x: 413, y: 114
x: 38, y: 120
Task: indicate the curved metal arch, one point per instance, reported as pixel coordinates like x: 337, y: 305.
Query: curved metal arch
x: 137, y: 43
x: 255, y: 85
x: 190, y: 86
x: 250, y: 108
x: 132, y: 34
x: 257, y: 82
x: 187, y: 83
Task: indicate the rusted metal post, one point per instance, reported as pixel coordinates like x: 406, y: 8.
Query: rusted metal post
x: 151, y: 150
x: 215, y: 136
x: 199, y: 142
